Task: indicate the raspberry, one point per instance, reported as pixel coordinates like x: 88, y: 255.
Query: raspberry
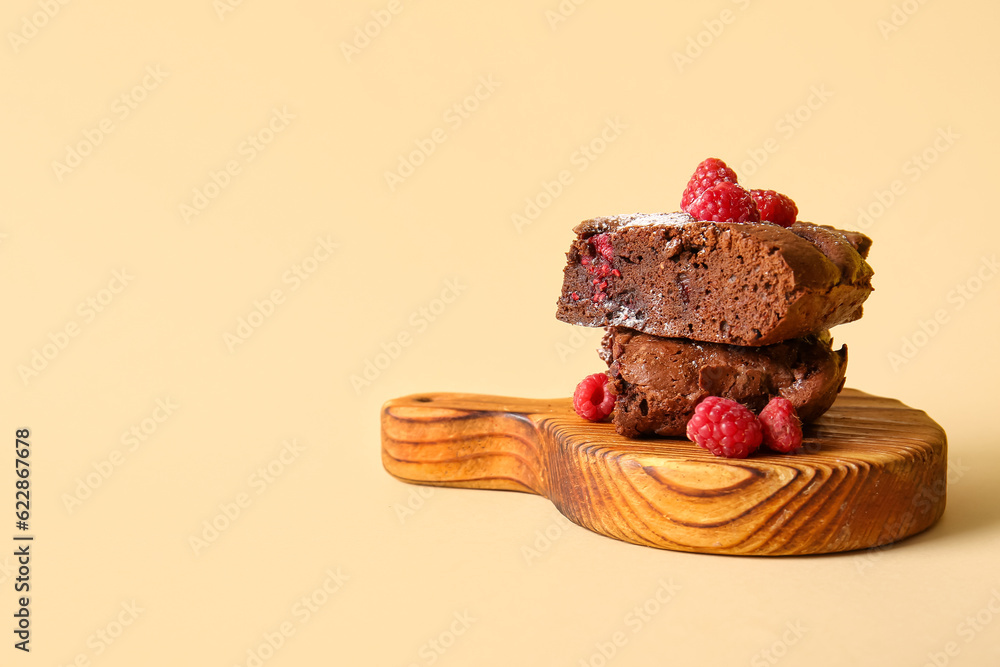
x: 780, y: 425
x: 601, y: 244
x: 775, y: 207
x: 600, y: 265
x: 725, y: 202
x: 592, y: 400
x: 724, y: 427
x: 710, y: 172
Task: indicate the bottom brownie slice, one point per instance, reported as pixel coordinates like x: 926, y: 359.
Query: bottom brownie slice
x: 659, y: 381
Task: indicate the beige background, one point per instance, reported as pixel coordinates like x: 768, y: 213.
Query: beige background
x: 411, y: 569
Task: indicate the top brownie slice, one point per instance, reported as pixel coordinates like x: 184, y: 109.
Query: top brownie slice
x: 669, y: 275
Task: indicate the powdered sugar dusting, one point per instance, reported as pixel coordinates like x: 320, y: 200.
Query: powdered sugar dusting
x: 613, y: 223
x: 674, y: 219
x: 625, y: 317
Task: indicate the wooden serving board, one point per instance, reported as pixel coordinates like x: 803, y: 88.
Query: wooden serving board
x: 871, y: 471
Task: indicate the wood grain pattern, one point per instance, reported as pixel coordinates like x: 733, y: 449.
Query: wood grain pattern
x: 872, y: 471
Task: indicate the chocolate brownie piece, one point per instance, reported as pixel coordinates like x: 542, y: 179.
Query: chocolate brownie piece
x: 720, y: 282
x: 659, y: 381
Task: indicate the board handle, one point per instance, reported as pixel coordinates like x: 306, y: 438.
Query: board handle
x: 466, y: 440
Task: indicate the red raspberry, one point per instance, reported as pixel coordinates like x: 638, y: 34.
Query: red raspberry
x: 724, y: 427
x: 775, y: 207
x: 592, y: 400
x: 780, y: 425
x: 601, y: 244
x: 710, y: 172
x: 725, y: 202
x: 600, y: 265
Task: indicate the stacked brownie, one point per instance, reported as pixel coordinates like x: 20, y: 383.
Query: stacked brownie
x: 697, y: 308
